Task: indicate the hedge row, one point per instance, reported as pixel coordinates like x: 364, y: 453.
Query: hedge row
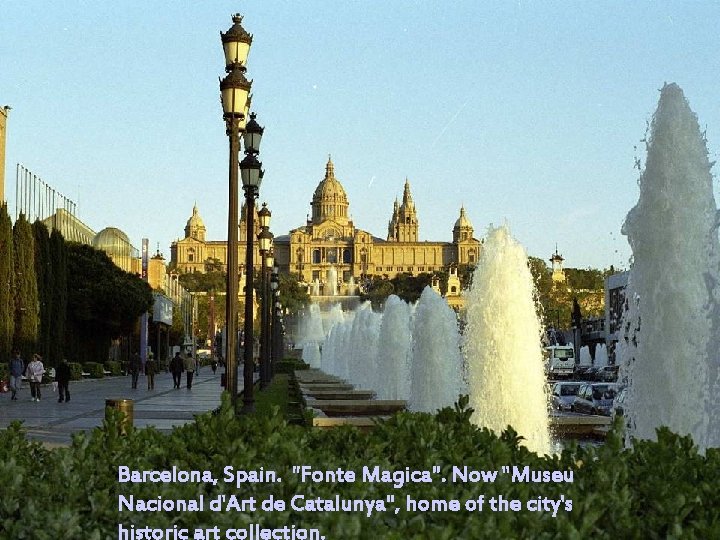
x: 654, y: 490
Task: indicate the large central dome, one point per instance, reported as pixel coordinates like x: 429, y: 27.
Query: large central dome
x: 329, y: 200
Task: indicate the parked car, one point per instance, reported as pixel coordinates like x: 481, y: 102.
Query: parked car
x: 595, y: 398
x: 580, y: 372
x: 559, y: 361
x: 608, y: 374
x: 591, y: 373
x: 563, y: 394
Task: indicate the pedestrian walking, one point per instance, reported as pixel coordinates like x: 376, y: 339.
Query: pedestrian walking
x: 35, y: 372
x: 214, y: 364
x: 62, y: 378
x: 189, y: 364
x: 135, y: 368
x: 176, y: 368
x: 16, y: 368
x: 151, y: 368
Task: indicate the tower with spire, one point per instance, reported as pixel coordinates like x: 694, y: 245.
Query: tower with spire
x: 403, y: 225
x: 195, y: 228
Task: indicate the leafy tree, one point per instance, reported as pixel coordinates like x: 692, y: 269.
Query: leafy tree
x: 59, y: 290
x: 409, y: 287
x: 103, y: 303
x: 26, y: 290
x: 7, y: 285
x: 376, y: 290
x: 43, y: 272
x: 293, y: 296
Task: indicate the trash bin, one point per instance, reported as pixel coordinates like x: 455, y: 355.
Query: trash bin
x: 125, y: 406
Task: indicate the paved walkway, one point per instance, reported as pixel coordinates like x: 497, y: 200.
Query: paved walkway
x: 164, y: 407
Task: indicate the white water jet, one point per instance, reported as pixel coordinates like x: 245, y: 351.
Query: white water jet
x: 670, y: 351
x: 394, y: 350
x: 601, y: 356
x: 362, y: 347
x: 315, y: 288
x: 436, y: 372
x: 311, y: 354
x: 585, y: 358
x: 351, y: 286
x: 502, y: 344
x: 311, y: 326
x: 331, y: 283
x: 332, y: 317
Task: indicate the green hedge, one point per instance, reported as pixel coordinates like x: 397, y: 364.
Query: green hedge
x: 663, y: 489
x: 76, y: 371
x: 4, y: 372
x: 288, y: 365
x: 95, y: 369
x: 115, y: 368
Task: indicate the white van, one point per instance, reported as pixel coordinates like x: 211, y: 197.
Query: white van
x: 559, y: 361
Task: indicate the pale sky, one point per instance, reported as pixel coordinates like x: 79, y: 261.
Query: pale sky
x: 525, y: 112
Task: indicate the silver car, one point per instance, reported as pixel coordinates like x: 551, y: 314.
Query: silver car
x: 595, y: 398
x: 563, y: 394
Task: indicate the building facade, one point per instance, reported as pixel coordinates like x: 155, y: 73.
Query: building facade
x: 329, y: 252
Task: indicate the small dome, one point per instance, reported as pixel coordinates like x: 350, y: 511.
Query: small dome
x: 330, y: 189
x: 463, y: 221
x: 113, y: 241
x: 195, y: 220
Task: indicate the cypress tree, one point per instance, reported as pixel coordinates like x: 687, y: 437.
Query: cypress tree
x: 7, y: 284
x: 26, y: 291
x: 59, y: 293
x: 43, y: 273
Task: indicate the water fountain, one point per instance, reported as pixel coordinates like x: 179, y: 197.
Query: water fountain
x: 331, y: 283
x: 502, y: 344
x: 585, y: 358
x: 672, y: 335
x: 394, y: 350
x: 601, y: 356
x: 436, y: 378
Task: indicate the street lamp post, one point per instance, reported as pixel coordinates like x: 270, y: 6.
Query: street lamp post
x: 234, y: 91
x: 268, y: 299
x: 251, y: 172
x: 265, y: 240
x: 274, y: 285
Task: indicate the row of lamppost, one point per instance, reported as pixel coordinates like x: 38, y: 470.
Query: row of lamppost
x: 235, y: 97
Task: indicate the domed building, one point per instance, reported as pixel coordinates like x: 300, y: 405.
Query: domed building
x: 117, y: 245
x: 330, y: 253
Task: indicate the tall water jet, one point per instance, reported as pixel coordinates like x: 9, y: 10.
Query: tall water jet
x: 394, y: 350
x: 311, y: 326
x: 436, y: 372
x: 585, y: 358
x: 502, y: 344
x: 601, y: 355
x: 362, y: 347
x: 331, y: 284
x: 670, y: 351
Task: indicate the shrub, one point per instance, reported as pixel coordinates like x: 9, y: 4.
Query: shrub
x: 76, y: 371
x: 663, y: 489
x: 288, y: 365
x: 4, y: 372
x: 95, y: 369
x: 115, y: 368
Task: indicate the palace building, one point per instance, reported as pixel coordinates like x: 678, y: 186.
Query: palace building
x: 329, y: 253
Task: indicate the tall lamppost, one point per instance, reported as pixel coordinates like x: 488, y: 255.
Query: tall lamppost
x: 265, y: 242
x: 234, y: 92
x: 268, y: 307
x: 251, y: 172
x: 274, y: 288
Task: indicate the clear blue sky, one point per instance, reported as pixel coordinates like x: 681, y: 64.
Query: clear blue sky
x: 525, y: 112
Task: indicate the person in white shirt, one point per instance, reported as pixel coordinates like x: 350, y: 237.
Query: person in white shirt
x: 35, y: 372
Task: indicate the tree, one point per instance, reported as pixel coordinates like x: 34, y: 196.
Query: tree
x: 7, y: 285
x: 26, y: 290
x: 376, y: 290
x: 59, y: 289
x: 103, y: 303
x: 43, y: 273
x: 293, y: 296
x: 409, y: 287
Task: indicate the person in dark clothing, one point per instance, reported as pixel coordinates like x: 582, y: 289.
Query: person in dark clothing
x: 176, y: 368
x: 62, y: 377
x: 135, y: 369
x: 151, y: 368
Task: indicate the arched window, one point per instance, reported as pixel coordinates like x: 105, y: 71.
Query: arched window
x: 347, y: 256
x: 191, y: 255
x: 471, y: 256
x: 316, y: 256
